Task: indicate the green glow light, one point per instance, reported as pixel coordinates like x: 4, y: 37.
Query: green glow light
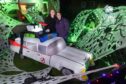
x: 98, y: 32
x: 5, y: 1
x: 7, y: 23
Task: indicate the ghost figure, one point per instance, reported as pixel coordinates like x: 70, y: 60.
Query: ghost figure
x: 109, y: 15
x: 36, y: 28
x: 108, y: 9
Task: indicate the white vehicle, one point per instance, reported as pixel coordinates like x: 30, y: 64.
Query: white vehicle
x: 55, y: 53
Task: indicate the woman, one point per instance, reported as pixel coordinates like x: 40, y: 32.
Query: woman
x: 50, y: 31
x: 51, y: 21
x: 62, y: 26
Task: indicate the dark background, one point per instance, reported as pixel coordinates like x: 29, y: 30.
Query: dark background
x: 70, y: 8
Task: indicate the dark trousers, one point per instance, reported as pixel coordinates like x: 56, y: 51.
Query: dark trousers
x: 21, y: 41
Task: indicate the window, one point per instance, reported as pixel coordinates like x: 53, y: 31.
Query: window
x: 32, y: 46
x: 42, y: 49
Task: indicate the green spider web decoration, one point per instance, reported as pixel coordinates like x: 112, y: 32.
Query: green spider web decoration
x: 98, y: 32
x: 7, y: 23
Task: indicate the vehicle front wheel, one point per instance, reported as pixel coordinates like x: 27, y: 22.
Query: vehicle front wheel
x: 66, y: 71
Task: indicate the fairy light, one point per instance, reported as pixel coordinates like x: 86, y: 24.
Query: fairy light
x: 117, y: 72
x: 111, y: 75
x: 103, y: 75
x: 97, y: 81
x: 116, y: 66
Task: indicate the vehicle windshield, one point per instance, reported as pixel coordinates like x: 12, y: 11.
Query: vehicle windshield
x: 52, y: 47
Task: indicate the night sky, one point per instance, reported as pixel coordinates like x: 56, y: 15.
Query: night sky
x: 70, y: 8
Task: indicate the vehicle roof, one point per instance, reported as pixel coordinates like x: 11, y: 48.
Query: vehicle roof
x: 51, y: 40
x: 36, y: 40
x: 31, y: 40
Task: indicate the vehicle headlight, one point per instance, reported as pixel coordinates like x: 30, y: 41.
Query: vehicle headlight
x: 83, y: 70
x: 84, y: 77
x: 91, y: 61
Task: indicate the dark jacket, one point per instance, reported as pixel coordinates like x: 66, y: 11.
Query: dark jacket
x: 62, y: 27
x: 51, y: 24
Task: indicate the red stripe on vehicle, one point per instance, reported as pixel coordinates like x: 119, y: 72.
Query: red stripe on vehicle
x: 14, y: 43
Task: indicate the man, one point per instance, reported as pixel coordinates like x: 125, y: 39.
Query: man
x: 62, y: 26
x: 19, y: 30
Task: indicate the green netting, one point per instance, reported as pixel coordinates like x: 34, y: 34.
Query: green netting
x: 7, y: 23
x: 83, y: 23
x: 105, y: 32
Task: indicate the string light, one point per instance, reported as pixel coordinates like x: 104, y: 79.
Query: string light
x: 117, y: 72
x: 116, y: 66
x: 111, y: 75
x: 103, y: 75
x: 97, y: 81
x: 89, y: 82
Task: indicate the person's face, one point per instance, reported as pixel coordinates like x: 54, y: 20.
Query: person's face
x: 58, y: 15
x: 52, y: 13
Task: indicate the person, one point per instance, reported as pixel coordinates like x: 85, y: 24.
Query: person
x: 62, y: 26
x: 19, y: 30
x: 49, y: 31
x: 51, y: 21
